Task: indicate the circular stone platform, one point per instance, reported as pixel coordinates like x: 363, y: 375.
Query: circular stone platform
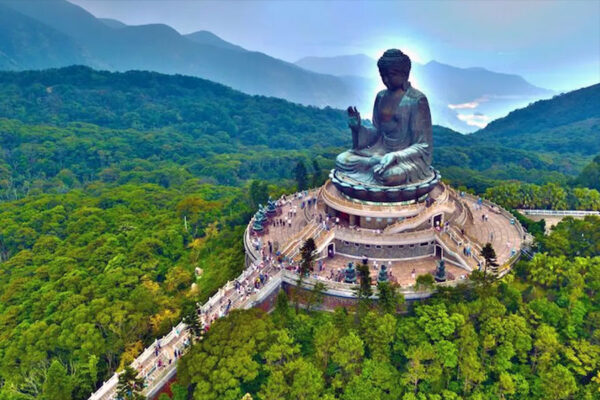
x: 383, y: 194
x: 406, y: 235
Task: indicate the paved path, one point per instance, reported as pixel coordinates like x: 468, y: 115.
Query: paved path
x: 495, y: 229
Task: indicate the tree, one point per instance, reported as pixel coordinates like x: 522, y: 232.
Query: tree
x: 363, y: 291
x: 546, y: 347
x: 307, y: 254
x: 348, y: 354
x: 228, y: 357
x: 419, y: 358
x: 425, y: 281
x: 301, y: 175
x: 190, y: 318
x: 378, y: 332
x: 317, y: 173
x: 179, y: 392
x: 282, y: 350
x: 590, y: 175
x: 258, y: 193
x: 558, y: 383
x: 470, y: 368
x: 489, y: 255
x: 130, y: 386
x: 282, y: 312
x: 378, y: 380
x: 325, y: 338
x: 316, y: 296
x: 58, y: 384
x: 436, y: 322
x: 389, y: 298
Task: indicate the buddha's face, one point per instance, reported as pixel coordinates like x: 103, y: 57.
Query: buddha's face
x: 393, y: 78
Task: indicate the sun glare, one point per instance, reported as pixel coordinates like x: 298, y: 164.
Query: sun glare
x: 406, y: 49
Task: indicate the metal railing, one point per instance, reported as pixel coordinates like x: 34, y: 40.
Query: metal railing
x: 559, y: 213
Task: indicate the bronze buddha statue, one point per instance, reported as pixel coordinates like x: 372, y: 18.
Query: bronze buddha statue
x: 392, y: 160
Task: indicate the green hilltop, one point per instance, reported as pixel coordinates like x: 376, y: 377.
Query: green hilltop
x: 115, y: 187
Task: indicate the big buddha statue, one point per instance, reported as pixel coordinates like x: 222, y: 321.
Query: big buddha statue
x: 390, y: 162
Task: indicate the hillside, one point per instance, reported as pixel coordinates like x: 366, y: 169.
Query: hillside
x: 567, y: 123
x: 205, y: 37
x: 105, y: 119
x: 199, y: 54
x: 27, y: 42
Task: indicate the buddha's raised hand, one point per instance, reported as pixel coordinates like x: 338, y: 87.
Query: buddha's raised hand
x: 354, y: 121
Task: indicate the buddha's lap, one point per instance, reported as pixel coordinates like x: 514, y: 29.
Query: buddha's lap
x: 351, y: 159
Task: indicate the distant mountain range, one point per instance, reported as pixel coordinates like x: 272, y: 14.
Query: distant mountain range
x: 54, y: 33
x: 107, y: 44
x: 464, y: 99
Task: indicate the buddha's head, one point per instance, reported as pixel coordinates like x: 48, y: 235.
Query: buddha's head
x: 394, y: 68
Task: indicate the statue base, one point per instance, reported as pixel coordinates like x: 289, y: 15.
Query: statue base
x: 410, y: 193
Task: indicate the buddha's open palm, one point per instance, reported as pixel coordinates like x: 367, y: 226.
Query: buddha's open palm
x: 386, y: 161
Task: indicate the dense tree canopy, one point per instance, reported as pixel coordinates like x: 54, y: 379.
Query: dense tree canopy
x: 534, y: 337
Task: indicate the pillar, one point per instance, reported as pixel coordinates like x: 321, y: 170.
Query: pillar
x: 352, y: 220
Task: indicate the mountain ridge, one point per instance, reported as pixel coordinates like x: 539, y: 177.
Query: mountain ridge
x: 128, y: 48
x: 205, y: 55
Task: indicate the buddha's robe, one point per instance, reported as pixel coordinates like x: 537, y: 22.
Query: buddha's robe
x: 402, y: 130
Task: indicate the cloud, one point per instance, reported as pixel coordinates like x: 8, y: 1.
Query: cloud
x: 478, y: 119
x: 472, y: 104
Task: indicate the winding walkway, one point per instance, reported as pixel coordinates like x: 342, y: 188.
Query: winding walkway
x: 157, y: 364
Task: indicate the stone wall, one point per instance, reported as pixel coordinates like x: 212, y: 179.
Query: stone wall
x: 406, y: 251
x: 267, y: 303
x: 330, y: 301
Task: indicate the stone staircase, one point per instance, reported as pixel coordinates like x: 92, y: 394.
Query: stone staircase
x: 456, y: 243
x: 414, y: 222
x: 293, y: 246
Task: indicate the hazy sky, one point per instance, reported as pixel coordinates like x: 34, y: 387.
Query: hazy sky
x: 554, y: 44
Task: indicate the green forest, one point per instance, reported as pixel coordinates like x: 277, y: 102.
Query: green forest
x: 532, y: 335
x: 116, y: 187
